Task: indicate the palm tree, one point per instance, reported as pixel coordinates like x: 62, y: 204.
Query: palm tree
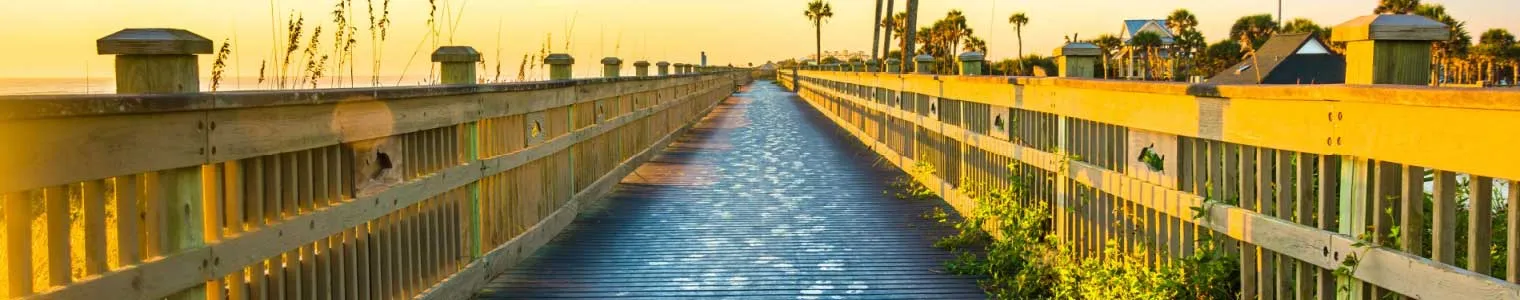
x: 1494, y: 46
x: 1019, y: 20
x: 1221, y: 55
x: 876, y: 32
x: 1181, y: 20
x: 1454, y: 46
x: 1147, y: 41
x: 975, y: 44
x: 1109, y: 45
x: 897, y: 25
x: 956, y: 29
x: 818, y: 11
x: 1255, y: 28
x: 1398, y: 7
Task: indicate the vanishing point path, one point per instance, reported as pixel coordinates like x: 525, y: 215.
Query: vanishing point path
x: 765, y: 198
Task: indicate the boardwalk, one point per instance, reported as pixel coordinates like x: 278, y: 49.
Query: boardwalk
x: 763, y: 199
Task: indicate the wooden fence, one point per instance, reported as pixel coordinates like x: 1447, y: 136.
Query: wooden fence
x: 1299, y: 178
x: 346, y: 193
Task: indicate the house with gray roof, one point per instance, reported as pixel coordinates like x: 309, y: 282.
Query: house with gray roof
x: 1296, y: 58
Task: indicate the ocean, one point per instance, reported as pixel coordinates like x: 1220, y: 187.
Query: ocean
x: 107, y: 85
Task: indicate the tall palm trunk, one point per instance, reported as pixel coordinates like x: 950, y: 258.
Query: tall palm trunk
x: 886, y: 45
x: 818, y: 40
x: 911, y: 30
x: 876, y: 31
x: 1020, y: 33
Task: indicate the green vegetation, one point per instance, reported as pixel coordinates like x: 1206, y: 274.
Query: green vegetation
x: 1008, y: 242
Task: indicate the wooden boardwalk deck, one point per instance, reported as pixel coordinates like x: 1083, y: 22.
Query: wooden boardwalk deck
x: 763, y: 199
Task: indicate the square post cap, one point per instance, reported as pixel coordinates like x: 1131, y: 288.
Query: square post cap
x: 973, y: 56
x: 923, y: 58
x: 893, y: 61
x: 447, y: 54
x: 662, y: 64
x: 153, y: 41
x: 1390, y: 28
x: 641, y: 64
x: 559, y: 59
x: 873, y: 61
x: 1078, y: 49
x: 612, y: 61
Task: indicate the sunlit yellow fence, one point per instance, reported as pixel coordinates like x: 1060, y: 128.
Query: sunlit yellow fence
x: 1403, y: 189
x: 348, y: 193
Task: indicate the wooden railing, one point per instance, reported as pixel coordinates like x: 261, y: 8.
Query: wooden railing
x: 345, y: 193
x: 1299, y: 178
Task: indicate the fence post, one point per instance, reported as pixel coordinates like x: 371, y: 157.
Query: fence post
x: 1380, y: 49
x: 1077, y: 60
x: 641, y: 68
x: 663, y: 67
x: 894, y: 65
x: 559, y: 65
x: 873, y: 65
x: 1389, y: 49
x: 457, y: 64
x: 971, y: 63
x: 925, y: 63
x: 611, y: 67
x: 162, y: 61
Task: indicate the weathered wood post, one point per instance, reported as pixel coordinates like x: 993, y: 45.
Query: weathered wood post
x: 155, y: 61
x: 894, y: 65
x: 971, y: 63
x: 163, y: 61
x: 641, y: 68
x: 664, y: 68
x: 1077, y: 60
x: 611, y: 67
x: 457, y: 64
x: 680, y: 68
x: 1390, y: 49
x: 559, y: 65
x: 873, y: 65
x: 925, y: 63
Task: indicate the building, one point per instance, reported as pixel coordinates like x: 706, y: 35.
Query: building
x: 1132, y: 59
x: 842, y: 55
x: 1298, y: 58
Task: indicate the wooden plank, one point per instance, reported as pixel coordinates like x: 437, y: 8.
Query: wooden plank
x: 128, y: 221
x: 1252, y: 263
x: 71, y: 150
x: 93, y: 209
x: 1283, y: 190
x: 1443, y: 240
x: 1480, y: 224
x: 56, y: 214
x: 18, y: 244
x: 1512, y: 249
x: 1329, y: 179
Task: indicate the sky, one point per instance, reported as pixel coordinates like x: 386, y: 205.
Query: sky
x: 55, y: 38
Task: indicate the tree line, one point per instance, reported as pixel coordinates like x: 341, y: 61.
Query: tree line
x: 1495, y: 58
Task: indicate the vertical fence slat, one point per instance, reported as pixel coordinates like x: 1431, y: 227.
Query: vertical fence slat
x: 1329, y: 179
x: 1480, y: 224
x: 1305, y: 200
x: 1443, y: 239
x: 56, y: 214
x: 93, y: 208
x: 18, y: 244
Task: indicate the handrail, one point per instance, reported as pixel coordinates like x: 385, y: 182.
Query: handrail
x: 387, y: 192
x: 1221, y: 143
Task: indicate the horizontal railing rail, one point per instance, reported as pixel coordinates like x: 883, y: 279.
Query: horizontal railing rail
x: 1301, y: 178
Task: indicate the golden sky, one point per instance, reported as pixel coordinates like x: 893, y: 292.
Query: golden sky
x: 55, y: 38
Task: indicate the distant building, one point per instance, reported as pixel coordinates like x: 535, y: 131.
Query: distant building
x: 1131, y: 58
x: 842, y: 55
x: 1298, y: 58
